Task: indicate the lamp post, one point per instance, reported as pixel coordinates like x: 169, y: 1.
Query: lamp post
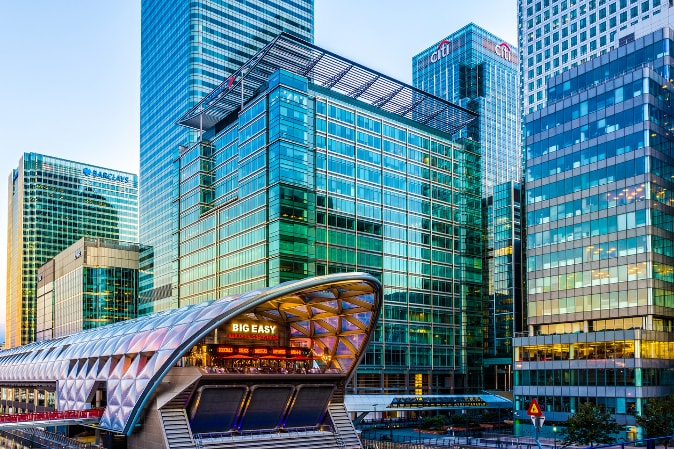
x: 554, y: 432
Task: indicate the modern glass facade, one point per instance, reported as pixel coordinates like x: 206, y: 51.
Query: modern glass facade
x: 504, y: 310
x: 599, y: 236
x: 53, y: 203
x: 91, y: 283
x: 557, y: 35
x: 477, y: 70
x: 189, y: 48
x: 309, y: 178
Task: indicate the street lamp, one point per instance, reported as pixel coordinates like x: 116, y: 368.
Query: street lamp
x: 554, y: 431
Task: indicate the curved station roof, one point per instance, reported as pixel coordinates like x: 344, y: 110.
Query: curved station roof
x: 334, y: 314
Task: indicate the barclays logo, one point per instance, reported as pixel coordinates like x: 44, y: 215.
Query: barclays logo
x: 105, y: 175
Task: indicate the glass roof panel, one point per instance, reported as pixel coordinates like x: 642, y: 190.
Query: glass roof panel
x: 357, y: 340
x: 364, y: 317
x: 320, y: 330
x: 348, y: 325
x: 343, y: 349
x: 331, y: 322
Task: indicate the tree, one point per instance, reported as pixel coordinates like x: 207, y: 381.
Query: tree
x: 436, y: 422
x: 590, y: 425
x: 657, y: 419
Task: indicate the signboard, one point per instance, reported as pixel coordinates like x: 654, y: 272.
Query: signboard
x: 538, y: 421
x: 253, y: 331
x: 105, y: 175
x: 534, y: 409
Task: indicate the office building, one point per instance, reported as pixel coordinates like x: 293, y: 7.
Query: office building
x: 599, y: 237
x: 479, y: 71
x: 188, y: 49
x: 557, y: 35
x: 91, y: 283
x: 53, y: 203
x: 313, y: 165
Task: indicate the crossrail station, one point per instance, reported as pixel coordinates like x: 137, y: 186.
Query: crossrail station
x: 262, y: 369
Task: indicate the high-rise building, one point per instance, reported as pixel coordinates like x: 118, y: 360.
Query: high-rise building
x: 313, y: 164
x: 53, y: 203
x: 600, y: 265
x: 557, y: 35
x: 91, y: 283
x: 477, y: 70
x: 188, y: 49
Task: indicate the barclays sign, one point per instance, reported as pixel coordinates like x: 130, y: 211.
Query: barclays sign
x: 105, y: 175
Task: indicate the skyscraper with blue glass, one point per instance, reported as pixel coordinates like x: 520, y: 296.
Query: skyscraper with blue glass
x: 189, y: 48
x: 312, y: 164
x: 600, y: 263
x: 477, y: 70
x: 53, y: 203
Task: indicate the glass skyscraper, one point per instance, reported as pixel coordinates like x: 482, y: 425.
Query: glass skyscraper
x: 53, y: 203
x: 477, y: 70
x: 600, y: 264
x: 189, y: 48
x: 324, y: 166
x: 557, y: 35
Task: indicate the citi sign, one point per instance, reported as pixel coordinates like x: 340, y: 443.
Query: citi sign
x: 503, y: 50
x: 441, y: 52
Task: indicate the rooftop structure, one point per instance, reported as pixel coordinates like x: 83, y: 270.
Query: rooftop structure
x: 330, y: 71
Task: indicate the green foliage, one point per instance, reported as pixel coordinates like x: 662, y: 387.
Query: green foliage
x: 433, y: 422
x: 657, y: 419
x: 590, y: 425
x: 461, y: 420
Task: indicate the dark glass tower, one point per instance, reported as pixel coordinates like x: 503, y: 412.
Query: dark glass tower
x: 189, y: 48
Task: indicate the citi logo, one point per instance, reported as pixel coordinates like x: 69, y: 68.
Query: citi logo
x: 442, y: 51
x: 503, y: 50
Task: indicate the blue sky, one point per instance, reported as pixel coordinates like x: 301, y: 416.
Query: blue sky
x: 70, y: 70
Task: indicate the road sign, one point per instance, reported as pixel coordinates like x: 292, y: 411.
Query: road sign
x: 538, y: 421
x: 534, y: 409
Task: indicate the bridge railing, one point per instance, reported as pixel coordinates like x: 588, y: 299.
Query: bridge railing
x: 52, y: 416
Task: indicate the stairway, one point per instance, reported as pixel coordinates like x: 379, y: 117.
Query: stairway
x: 294, y: 440
x: 343, y: 426
x: 175, y: 423
x: 176, y: 428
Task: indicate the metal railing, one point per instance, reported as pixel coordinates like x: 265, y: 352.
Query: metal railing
x: 52, y: 416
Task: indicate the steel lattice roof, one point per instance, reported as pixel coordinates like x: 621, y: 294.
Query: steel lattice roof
x: 330, y: 71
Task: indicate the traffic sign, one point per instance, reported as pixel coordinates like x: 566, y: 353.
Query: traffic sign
x: 534, y: 409
x: 538, y: 421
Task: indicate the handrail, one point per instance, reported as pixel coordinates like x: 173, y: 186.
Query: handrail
x: 52, y: 416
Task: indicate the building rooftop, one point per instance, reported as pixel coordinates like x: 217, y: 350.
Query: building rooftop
x: 330, y: 71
